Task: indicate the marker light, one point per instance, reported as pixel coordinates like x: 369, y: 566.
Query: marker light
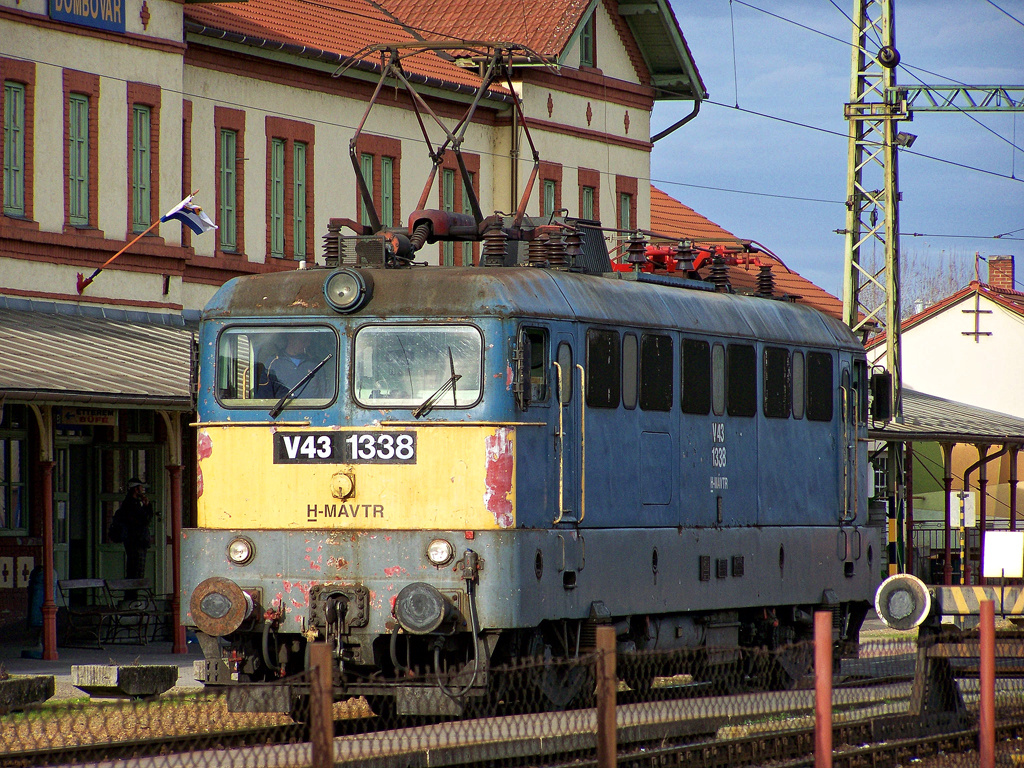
x: 241, y: 551
x: 440, y: 552
x: 347, y: 290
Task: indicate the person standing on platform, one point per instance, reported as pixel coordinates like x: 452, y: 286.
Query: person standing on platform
x: 130, y: 526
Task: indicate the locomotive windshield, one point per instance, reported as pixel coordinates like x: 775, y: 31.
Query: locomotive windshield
x: 404, y: 366
x: 259, y: 366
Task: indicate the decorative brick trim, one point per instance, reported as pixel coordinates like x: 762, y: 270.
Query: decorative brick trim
x: 225, y: 118
x: 147, y: 96
x: 381, y: 146
x: 594, y: 84
x: 23, y: 72
x: 292, y: 131
x: 583, y: 133
x: 87, y: 85
x: 632, y: 49
x: 550, y: 172
x: 186, y: 163
x: 472, y: 162
x: 585, y: 177
x: 628, y: 185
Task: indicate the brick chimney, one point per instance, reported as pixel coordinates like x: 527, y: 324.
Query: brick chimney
x: 1000, y: 272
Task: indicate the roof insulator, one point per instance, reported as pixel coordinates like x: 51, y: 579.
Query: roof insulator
x: 720, y: 274
x: 766, y: 281
x: 636, y: 251
x: 573, y: 247
x: 557, y: 258
x: 494, y: 247
x: 538, y: 251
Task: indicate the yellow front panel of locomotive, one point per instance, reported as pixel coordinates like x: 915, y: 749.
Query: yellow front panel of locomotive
x: 447, y: 477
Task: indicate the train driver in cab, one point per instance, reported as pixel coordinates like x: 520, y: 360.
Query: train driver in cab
x: 289, y: 366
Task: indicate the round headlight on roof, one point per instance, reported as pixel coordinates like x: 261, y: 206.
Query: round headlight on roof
x: 347, y: 290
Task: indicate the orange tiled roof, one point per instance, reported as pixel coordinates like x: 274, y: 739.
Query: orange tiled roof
x: 545, y: 26
x: 671, y: 218
x: 327, y: 25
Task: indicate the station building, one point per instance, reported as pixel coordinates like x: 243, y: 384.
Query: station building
x: 114, y: 110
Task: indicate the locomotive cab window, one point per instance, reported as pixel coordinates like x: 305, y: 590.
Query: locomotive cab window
x: 776, y: 383
x: 603, y: 377
x: 820, y: 394
x: 741, y: 370
x: 536, y: 341
x: 259, y: 366
x: 403, y: 366
x: 656, y: 372
x: 696, y: 375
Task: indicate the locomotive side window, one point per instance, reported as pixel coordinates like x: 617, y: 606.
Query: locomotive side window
x: 603, y: 376
x: 860, y: 383
x: 776, y: 383
x: 820, y: 395
x: 630, y: 370
x: 538, y: 364
x: 402, y: 366
x: 565, y: 364
x: 656, y: 372
x: 798, y: 385
x: 718, y: 379
x: 259, y: 366
x: 742, y: 380
x: 696, y: 376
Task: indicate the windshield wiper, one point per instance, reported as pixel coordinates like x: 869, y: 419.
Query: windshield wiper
x: 276, y: 410
x: 429, y: 403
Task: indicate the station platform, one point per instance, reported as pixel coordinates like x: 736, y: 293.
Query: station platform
x: 154, y: 653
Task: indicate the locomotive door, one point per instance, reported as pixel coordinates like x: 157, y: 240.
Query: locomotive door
x: 568, y: 431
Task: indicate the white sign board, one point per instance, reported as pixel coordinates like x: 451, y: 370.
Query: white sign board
x: 961, y: 509
x: 1004, y: 555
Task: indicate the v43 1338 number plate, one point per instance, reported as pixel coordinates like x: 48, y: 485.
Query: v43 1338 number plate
x: 345, y: 448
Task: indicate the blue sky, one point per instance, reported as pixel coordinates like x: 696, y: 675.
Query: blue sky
x: 797, y: 75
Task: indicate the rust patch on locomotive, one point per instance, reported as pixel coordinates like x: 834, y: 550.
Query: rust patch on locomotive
x: 499, y: 463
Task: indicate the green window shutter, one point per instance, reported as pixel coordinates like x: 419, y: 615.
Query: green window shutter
x: 387, y: 191
x: 588, y: 56
x: 448, y: 204
x: 299, y: 164
x: 587, y: 211
x: 277, y: 197
x: 228, y: 190
x: 549, y: 197
x: 78, y: 155
x: 467, y: 207
x: 625, y: 206
x: 367, y: 163
x: 14, y: 149
x: 141, y: 167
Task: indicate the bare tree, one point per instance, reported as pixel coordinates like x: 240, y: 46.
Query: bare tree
x: 926, y: 277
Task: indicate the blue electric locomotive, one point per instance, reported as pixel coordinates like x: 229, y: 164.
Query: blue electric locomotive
x: 484, y: 463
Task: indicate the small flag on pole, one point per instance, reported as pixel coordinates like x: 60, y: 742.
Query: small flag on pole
x: 192, y: 216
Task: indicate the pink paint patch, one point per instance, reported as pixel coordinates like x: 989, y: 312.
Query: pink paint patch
x: 394, y: 599
x: 199, y: 480
x: 508, y: 377
x: 500, y: 464
x: 204, y: 444
x: 394, y: 570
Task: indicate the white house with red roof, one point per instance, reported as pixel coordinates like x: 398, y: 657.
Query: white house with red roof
x: 968, y: 347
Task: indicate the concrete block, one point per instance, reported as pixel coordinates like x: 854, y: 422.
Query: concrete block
x: 131, y: 680
x: 18, y: 692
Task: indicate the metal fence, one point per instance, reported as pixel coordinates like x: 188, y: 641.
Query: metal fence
x: 937, y: 698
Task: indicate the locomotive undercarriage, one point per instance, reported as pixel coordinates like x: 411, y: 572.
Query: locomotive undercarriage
x: 537, y: 668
